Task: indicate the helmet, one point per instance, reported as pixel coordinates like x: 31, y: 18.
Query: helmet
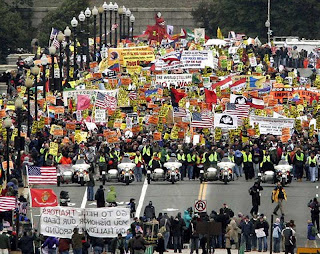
x: 173, y: 155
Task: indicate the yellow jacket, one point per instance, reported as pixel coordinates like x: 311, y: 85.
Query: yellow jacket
x: 275, y: 194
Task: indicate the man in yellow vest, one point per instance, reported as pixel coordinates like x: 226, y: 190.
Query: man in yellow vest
x: 191, y: 160
x: 200, y: 160
x: 138, y: 160
x: 154, y: 162
x: 312, y: 162
x: 298, y: 162
x: 213, y: 157
x: 248, y: 164
x: 147, y: 152
x: 182, y: 159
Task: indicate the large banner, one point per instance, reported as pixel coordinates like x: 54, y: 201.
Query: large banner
x: 272, y: 125
x: 225, y: 121
x: 92, y: 93
x: 180, y: 80
x: 98, y: 222
x: 102, y: 222
x: 60, y: 221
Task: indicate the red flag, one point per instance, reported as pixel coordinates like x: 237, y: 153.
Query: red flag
x: 83, y: 102
x: 70, y: 105
x: 176, y: 96
x: 223, y: 84
x: 211, y: 97
x: 43, y: 198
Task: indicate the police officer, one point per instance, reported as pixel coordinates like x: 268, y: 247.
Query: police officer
x: 182, y: 159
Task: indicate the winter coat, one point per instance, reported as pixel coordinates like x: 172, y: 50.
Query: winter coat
x: 263, y: 224
x: 309, y: 234
x: 4, y: 241
x: 255, y: 194
x: 100, y: 198
x: 90, y: 183
x: 187, y: 218
x: 177, y: 227
x: 247, y: 228
x: 111, y: 195
x: 232, y: 234
x: 64, y: 244
x: 76, y: 241
x: 160, y: 245
x: 276, y: 233
x: 149, y: 212
x: 26, y: 244
x: 275, y: 194
x: 51, y: 242
x: 138, y: 243
x: 165, y: 220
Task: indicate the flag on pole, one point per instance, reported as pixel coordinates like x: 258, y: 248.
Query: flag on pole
x: 42, y: 175
x: 179, y: 112
x: 256, y: 103
x: 43, y: 198
x: 219, y: 34
x: 54, y: 33
x: 223, y: 84
x: 7, y: 203
x: 106, y: 102
x: 201, y: 120
x: 239, y: 110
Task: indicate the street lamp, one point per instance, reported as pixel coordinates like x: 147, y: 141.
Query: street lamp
x: 67, y: 34
x: 121, y: 12
x: 60, y: 38
x: 110, y: 31
x: 7, y: 123
x: 74, y: 24
x: 95, y: 13
x: 268, y: 24
x: 100, y: 10
x: 81, y: 18
x: 18, y: 105
x: 44, y: 62
x: 115, y: 8
x: 87, y: 13
x: 28, y: 84
x: 128, y: 14
x: 35, y: 72
x: 132, y: 20
x: 124, y: 23
x: 105, y: 7
x: 52, y: 52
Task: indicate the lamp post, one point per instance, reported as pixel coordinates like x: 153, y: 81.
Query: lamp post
x: 81, y: 17
x: 132, y: 20
x: 7, y: 123
x: 268, y: 24
x: 121, y: 11
x: 115, y: 8
x: 110, y: 11
x: 44, y: 62
x: 94, y: 14
x: 87, y: 13
x: 128, y: 14
x: 67, y: 34
x: 60, y: 38
x: 105, y: 7
x: 52, y: 52
x: 124, y: 23
x: 29, y: 84
x: 100, y: 10
x: 74, y: 24
x: 18, y: 105
x: 35, y: 72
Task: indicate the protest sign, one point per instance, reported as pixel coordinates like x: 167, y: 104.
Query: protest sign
x: 225, y: 121
x: 90, y: 93
x: 272, y: 125
x: 53, y: 149
x: 107, y: 222
x: 100, y: 115
x: 180, y: 80
x: 60, y: 221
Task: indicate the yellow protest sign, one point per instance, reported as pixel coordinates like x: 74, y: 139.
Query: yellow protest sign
x: 53, y: 148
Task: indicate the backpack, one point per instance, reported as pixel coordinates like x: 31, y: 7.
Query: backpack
x: 314, y: 231
x: 276, y: 231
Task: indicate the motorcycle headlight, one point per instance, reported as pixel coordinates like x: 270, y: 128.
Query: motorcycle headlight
x: 131, y: 172
x: 122, y: 172
x: 230, y: 171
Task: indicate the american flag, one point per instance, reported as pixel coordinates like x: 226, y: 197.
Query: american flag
x: 55, y: 43
x: 106, y: 102
x: 201, y: 120
x: 54, y: 33
x: 132, y: 95
x: 239, y: 110
x: 42, y: 175
x: 179, y: 112
x: 7, y: 203
x: 114, y: 27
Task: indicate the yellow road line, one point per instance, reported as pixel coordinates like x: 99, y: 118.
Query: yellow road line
x: 204, y: 191
x: 200, y: 191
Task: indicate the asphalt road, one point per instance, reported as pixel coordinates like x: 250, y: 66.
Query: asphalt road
x: 174, y: 198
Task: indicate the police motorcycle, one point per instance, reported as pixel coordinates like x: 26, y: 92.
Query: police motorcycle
x: 173, y: 173
x: 267, y: 172
x: 81, y: 171
x: 209, y: 173
x: 125, y: 170
x: 64, y: 174
x: 157, y: 174
x: 283, y: 172
x: 225, y: 170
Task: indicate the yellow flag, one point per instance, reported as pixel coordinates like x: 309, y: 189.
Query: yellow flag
x: 219, y: 34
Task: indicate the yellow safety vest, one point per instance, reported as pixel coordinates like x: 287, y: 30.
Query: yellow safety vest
x: 314, y: 160
x: 58, y: 158
x: 265, y: 159
x: 231, y: 158
x: 150, y: 163
x: 191, y: 158
x: 213, y: 157
x: 247, y: 158
x: 138, y: 159
x: 146, y: 150
x: 102, y: 159
x: 181, y: 157
x: 301, y: 157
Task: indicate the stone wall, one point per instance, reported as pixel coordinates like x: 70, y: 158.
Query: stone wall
x: 175, y: 13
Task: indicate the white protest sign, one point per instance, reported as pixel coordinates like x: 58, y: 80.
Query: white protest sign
x: 107, y: 222
x: 199, y: 33
x: 180, y: 80
x: 75, y: 93
x: 100, y: 116
x: 225, y: 121
x: 272, y: 125
x: 196, y: 59
x: 60, y: 221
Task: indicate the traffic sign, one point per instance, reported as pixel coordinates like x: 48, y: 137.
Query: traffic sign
x: 200, y: 206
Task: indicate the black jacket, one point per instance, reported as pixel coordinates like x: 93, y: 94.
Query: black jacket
x: 26, y: 244
x: 255, y: 194
x: 149, y: 212
x: 100, y: 198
